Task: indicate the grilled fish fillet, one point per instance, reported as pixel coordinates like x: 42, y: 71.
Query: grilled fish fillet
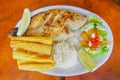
x: 55, y: 22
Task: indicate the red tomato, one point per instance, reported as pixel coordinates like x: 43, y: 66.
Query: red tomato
x: 95, y: 41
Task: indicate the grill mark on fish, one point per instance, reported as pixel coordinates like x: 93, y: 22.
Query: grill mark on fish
x: 45, y: 21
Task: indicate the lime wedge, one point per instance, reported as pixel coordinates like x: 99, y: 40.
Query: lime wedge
x: 25, y: 21
x: 86, y: 60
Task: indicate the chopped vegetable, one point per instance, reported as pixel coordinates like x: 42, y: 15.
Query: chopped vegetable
x: 94, y: 18
x: 94, y: 37
x: 103, y: 33
x: 97, y: 52
x: 95, y: 26
x: 95, y: 42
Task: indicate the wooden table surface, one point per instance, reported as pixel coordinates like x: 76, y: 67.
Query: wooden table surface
x: 10, y: 13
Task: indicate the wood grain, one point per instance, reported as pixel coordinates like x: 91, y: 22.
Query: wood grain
x: 11, y: 12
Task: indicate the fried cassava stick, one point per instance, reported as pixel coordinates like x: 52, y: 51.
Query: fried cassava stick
x: 43, y: 40
x: 34, y: 47
x: 31, y: 56
x: 34, y: 66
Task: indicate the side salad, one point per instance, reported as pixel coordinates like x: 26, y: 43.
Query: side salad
x: 94, y: 37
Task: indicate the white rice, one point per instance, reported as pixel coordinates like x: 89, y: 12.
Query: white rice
x: 64, y: 55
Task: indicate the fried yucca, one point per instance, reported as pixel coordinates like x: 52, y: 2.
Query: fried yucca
x: 43, y: 40
x: 34, y: 66
x: 34, y: 47
x: 31, y: 56
x: 33, y: 53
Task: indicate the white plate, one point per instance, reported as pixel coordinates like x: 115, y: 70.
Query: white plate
x: 77, y: 69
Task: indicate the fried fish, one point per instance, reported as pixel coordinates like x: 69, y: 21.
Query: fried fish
x: 55, y: 22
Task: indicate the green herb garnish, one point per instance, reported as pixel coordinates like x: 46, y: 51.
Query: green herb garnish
x: 95, y: 26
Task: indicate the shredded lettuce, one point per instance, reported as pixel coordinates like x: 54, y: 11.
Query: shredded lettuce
x: 102, y: 50
x: 103, y: 33
x: 96, y: 23
x: 94, y: 18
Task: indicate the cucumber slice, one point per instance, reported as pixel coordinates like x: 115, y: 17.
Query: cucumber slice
x: 86, y: 60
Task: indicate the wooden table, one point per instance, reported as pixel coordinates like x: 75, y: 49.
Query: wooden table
x: 10, y: 13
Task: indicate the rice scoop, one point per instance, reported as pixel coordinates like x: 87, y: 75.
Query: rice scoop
x: 64, y: 55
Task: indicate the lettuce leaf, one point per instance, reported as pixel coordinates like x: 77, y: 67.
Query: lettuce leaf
x: 94, y: 18
x: 103, y: 33
x: 102, y: 50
